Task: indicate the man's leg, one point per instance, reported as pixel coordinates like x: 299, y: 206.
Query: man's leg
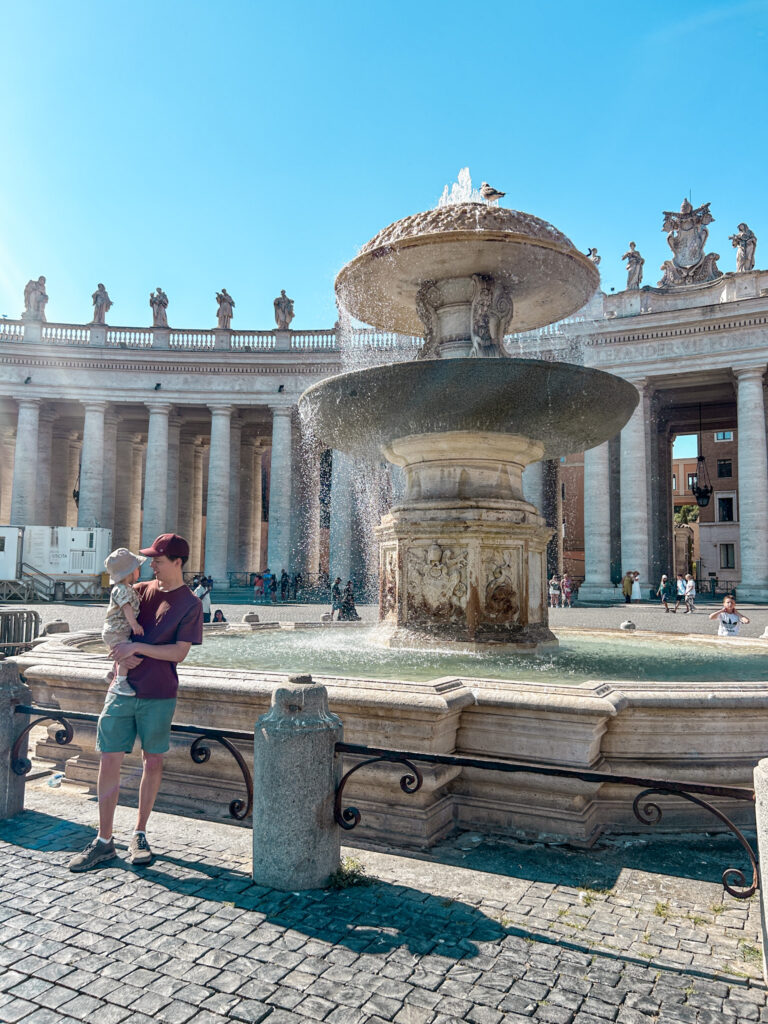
x: 151, y: 777
x: 108, y: 790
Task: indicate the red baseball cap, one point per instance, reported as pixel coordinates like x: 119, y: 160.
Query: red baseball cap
x: 169, y: 544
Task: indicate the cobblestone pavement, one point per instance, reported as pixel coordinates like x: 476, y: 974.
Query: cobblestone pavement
x: 487, y: 932
x: 644, y: 615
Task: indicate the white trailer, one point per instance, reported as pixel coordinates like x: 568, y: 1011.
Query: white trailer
x: 52, y: 562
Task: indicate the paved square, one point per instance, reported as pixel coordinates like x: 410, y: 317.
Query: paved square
x: 479, y: 930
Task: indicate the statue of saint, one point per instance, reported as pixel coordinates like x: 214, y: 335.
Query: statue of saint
x: 158, y: 300
x: 634, y: 267
x: 35, y: 299
x: 101, y: 305
x: 283, y: 311
x: 687, y: 235
x: 745, y: 243
x: 226, y: 308
x: 592, y: 255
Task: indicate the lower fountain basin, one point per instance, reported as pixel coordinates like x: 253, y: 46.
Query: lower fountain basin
x: 564, y: 407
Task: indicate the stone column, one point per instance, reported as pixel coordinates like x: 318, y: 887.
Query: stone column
x: 217, y: 505
x: 138, y: 457
x: 597, y: 584
x: 185, y: 489
x: 634, y: 492
x: 7, y: 448
x: 234, y: 563
x: 342, y: 517
x: 44, y: 457
x: 73, y: 470
x: 92, y: 465
x: 172, y: 510
x: 114, y: 461
x: 60, y: 491
x: 311, y: 511
x: 279, y: 555
x: 245, y: 527
x: 196, y: 501
x: 296, y: 770
x: 23, y: 501
x: 753, y: 493
x: 258, y: 508
x: 155, y: 478
x: 127, y: 487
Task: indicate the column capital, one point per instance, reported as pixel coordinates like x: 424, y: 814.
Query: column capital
x: 27, y: 403
x: 749, y: 372
x: 220, y: 410
x: 282, y: 410
x: 157, y: 408
x: 94, y: 406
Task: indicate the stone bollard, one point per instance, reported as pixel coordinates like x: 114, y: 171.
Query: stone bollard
x: 57, y: 626
x: 761, y: 816
x: 12, y: 692
x: 296, y: 842
x: 250, y: 617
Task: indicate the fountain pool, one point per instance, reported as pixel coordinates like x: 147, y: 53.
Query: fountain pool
x: 355, y: 651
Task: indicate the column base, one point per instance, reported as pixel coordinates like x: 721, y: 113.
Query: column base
x: 599, y: 593
x: 751, y: 592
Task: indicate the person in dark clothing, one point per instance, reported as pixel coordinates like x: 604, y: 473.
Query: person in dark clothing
x: 273, y: 589
x: 348, y: 612
x: 285, y: 582
x: 336, y: 595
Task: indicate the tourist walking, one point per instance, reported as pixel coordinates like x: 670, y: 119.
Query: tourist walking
x: 120, y: 621
x: 566, y: 591
x: 203, y: 592
x: 680, y: 587
x: 626, y: 586
x: 273, y: 588
x: 554, y: 591
x: 690, y: 593
x: 267, y: 585
x: 666, y: 592
x: 336, y: 596
x: 285, y: 582
x: 296, y: 585
x: 258, y: 588
x: 636, y: 595
x: 172, y: 620
x: 729, y: 618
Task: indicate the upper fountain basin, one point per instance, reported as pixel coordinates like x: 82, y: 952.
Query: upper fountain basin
x: 548, y: 276
x: 567, y: 408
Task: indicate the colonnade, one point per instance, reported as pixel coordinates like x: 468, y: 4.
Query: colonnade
x: 140, y: 483
x: 644, y: 478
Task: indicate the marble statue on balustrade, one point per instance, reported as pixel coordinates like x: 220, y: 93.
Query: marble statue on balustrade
x: 226, y: 309
x: 35, y: 299
x: 101, y: 305
x: 592, y: 255
x: 634, y: 267
x: 158, y: 300
x: 283, y: 311
x: 745, y: 243
x: 687, y: 234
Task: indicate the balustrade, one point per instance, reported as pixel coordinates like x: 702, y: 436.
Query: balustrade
x: 11, y: 330
x: 65, y: 334
x: 197, y: 340
x: 252, y: 340
x: 130, y: 337
x: 313, y: 339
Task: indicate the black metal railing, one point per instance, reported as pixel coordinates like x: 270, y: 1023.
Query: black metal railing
x: 645, y: 810
x: 199, y: 751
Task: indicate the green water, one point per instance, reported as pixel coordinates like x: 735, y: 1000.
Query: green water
x: 355, y: 653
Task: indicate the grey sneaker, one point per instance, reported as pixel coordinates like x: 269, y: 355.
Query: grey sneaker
x: 95, y: 853
x: 139, y: 851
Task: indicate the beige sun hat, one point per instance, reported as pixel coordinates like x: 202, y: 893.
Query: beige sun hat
x: 121, y: 563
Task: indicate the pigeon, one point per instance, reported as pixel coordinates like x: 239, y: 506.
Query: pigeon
x: 489, y: 194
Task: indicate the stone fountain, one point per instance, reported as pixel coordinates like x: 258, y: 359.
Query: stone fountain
x: 463, y: 555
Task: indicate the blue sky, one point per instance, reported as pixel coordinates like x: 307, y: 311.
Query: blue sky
x: 256, y: 146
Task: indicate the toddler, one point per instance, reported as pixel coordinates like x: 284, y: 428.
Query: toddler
x: 123, y: 568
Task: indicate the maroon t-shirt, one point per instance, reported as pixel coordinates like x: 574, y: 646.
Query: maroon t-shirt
x: 166, y: 616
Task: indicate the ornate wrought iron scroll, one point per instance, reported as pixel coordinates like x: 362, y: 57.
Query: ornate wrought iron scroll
x: 648, y: 814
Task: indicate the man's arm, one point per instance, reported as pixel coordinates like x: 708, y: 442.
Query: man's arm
x: 160, y: 652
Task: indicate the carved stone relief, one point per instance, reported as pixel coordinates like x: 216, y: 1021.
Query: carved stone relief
x: 428, y: 298
x: 502, y: 573
x: 437, y: 583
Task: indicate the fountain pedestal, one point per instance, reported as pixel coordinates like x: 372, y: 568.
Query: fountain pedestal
x: 463, y: 556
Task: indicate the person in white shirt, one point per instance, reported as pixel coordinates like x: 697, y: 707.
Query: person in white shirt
x: 204, y: 593
x: 729, y: 619
x: 690, y: 593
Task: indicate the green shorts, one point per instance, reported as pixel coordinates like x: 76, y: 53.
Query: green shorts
x: 123, y: 717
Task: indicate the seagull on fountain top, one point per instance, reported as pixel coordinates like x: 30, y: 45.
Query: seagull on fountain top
x: 490, y: 194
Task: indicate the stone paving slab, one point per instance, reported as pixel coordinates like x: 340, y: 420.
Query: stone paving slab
x: 479, y: 930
